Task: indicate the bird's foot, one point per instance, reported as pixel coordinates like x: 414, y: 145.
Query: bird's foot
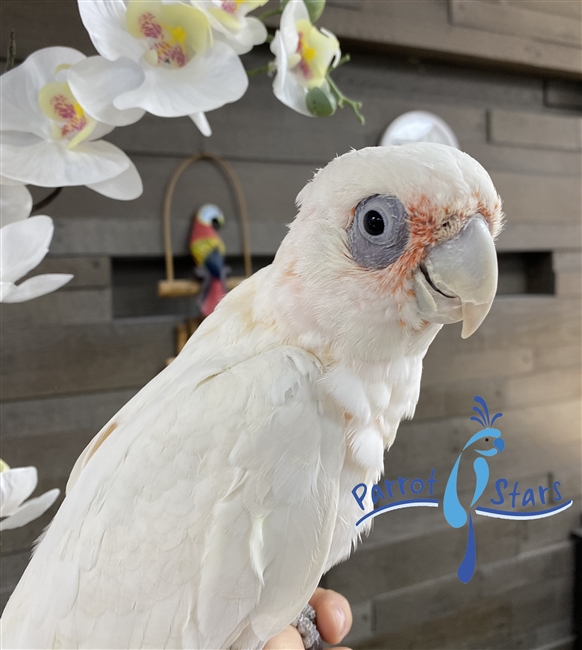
x: 307, y: 628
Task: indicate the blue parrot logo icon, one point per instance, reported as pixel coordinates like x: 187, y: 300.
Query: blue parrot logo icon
x: 486, y: 443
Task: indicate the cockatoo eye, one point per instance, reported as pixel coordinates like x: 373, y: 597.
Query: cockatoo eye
x: 379, y: 232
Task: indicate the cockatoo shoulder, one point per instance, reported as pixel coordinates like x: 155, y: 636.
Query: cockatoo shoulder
x: 210, y: 531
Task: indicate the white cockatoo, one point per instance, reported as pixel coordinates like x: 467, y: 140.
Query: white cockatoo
x: 205, y: 512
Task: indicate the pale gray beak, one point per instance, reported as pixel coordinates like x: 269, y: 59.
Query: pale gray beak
x: 458, y: 278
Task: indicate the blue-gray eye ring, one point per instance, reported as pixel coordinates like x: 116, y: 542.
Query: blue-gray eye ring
x: 379, y: 232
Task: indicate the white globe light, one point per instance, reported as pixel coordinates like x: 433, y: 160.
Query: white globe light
x: 419, y: 126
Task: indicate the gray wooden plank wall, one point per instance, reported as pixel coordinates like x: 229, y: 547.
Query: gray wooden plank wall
x: 68, y: 365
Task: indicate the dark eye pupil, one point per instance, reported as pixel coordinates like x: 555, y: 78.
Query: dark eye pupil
x: 486, y: 439
x: 373, y: 223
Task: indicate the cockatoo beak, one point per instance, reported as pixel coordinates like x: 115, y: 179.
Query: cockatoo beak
x: 458, y: 278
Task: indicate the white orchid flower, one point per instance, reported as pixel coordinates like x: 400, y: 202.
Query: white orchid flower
x: 23, y: 246
x: 303, y: 55
x: 157, y: 57
x: 16, y: 485
x: 48, y: 139
x: 228, y: 19
x: 15, y: 202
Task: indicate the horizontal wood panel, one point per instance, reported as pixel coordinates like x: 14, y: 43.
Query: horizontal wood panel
x: 88, y: 272
x: 570, y: 8
x: 519, y: 160
x: 439, y: 368
x: 539, y: 199
x: 384, y: 77
x: 516, y: 20
x: 538, y: 237
x: 535, y: 130
x: 425, y: 28
x: 544, y: 387
x: 79, y: 359
x: 137, y: 237
x: 59, y: 307
x: 41, y: 23
x: 435, y: 442
x: 117, y: 228
x: 56, y: 415
x: 408, y: 614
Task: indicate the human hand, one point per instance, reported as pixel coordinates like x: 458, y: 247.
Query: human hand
x: 334, y: 620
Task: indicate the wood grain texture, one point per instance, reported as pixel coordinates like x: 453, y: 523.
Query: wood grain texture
x: 79, y: 359
x: 517, y: 20
x: 535, y: 130
x: 539, y: 199
x: 59, y: 308
x: 55, y: 415
x: 424, y: 27
x: 569, y: 8
x: 88, y: 272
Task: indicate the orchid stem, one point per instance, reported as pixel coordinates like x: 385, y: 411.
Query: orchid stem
x: 343, y: 99
x: 47, y: 200
x: 11, y: 58
x: 264, y: 69
x: 270, y: 14
x: 345, y: 59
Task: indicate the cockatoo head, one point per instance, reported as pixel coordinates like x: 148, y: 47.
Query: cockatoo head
x: 392, y: 241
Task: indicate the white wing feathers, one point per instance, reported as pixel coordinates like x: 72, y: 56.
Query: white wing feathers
x: 203, y: 520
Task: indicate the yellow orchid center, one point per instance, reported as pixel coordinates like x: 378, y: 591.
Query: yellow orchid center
x: 3, y: 466
x: 69, y: 120
x: 314, y: 54
x: 175, y: 32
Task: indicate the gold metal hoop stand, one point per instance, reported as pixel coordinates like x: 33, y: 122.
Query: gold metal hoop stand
x: 172, y: 288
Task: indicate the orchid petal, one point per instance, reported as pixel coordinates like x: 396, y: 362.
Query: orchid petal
x: 31, y: 510
x: 125, y: 187
x: 207, y: 82
x: 96, y: 82
x: 52, y: 164
x: 100, y: 131
x: 292, y: 14
x: 285, y: 86
x: 20, y: 86
x: 34, y: 287
x: 106, y: 23
x: 15, y: 486
x: 15, y: 203
x: 23, y: 245
x: 19, y: 139
x: 202, y: 123
x: 241, y: 33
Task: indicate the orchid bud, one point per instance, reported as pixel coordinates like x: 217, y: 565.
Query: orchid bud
x: 321, y: 102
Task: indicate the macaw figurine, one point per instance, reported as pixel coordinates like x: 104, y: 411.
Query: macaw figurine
x: 208, y: 251
x: 455, y: 513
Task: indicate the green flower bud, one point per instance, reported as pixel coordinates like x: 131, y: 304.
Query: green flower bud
x: 321, y: 102
x: 314, y: 7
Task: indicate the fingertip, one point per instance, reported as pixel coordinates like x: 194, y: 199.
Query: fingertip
x: 334, y: 615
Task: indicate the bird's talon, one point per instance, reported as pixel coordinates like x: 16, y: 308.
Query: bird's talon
x: 307, y: 628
